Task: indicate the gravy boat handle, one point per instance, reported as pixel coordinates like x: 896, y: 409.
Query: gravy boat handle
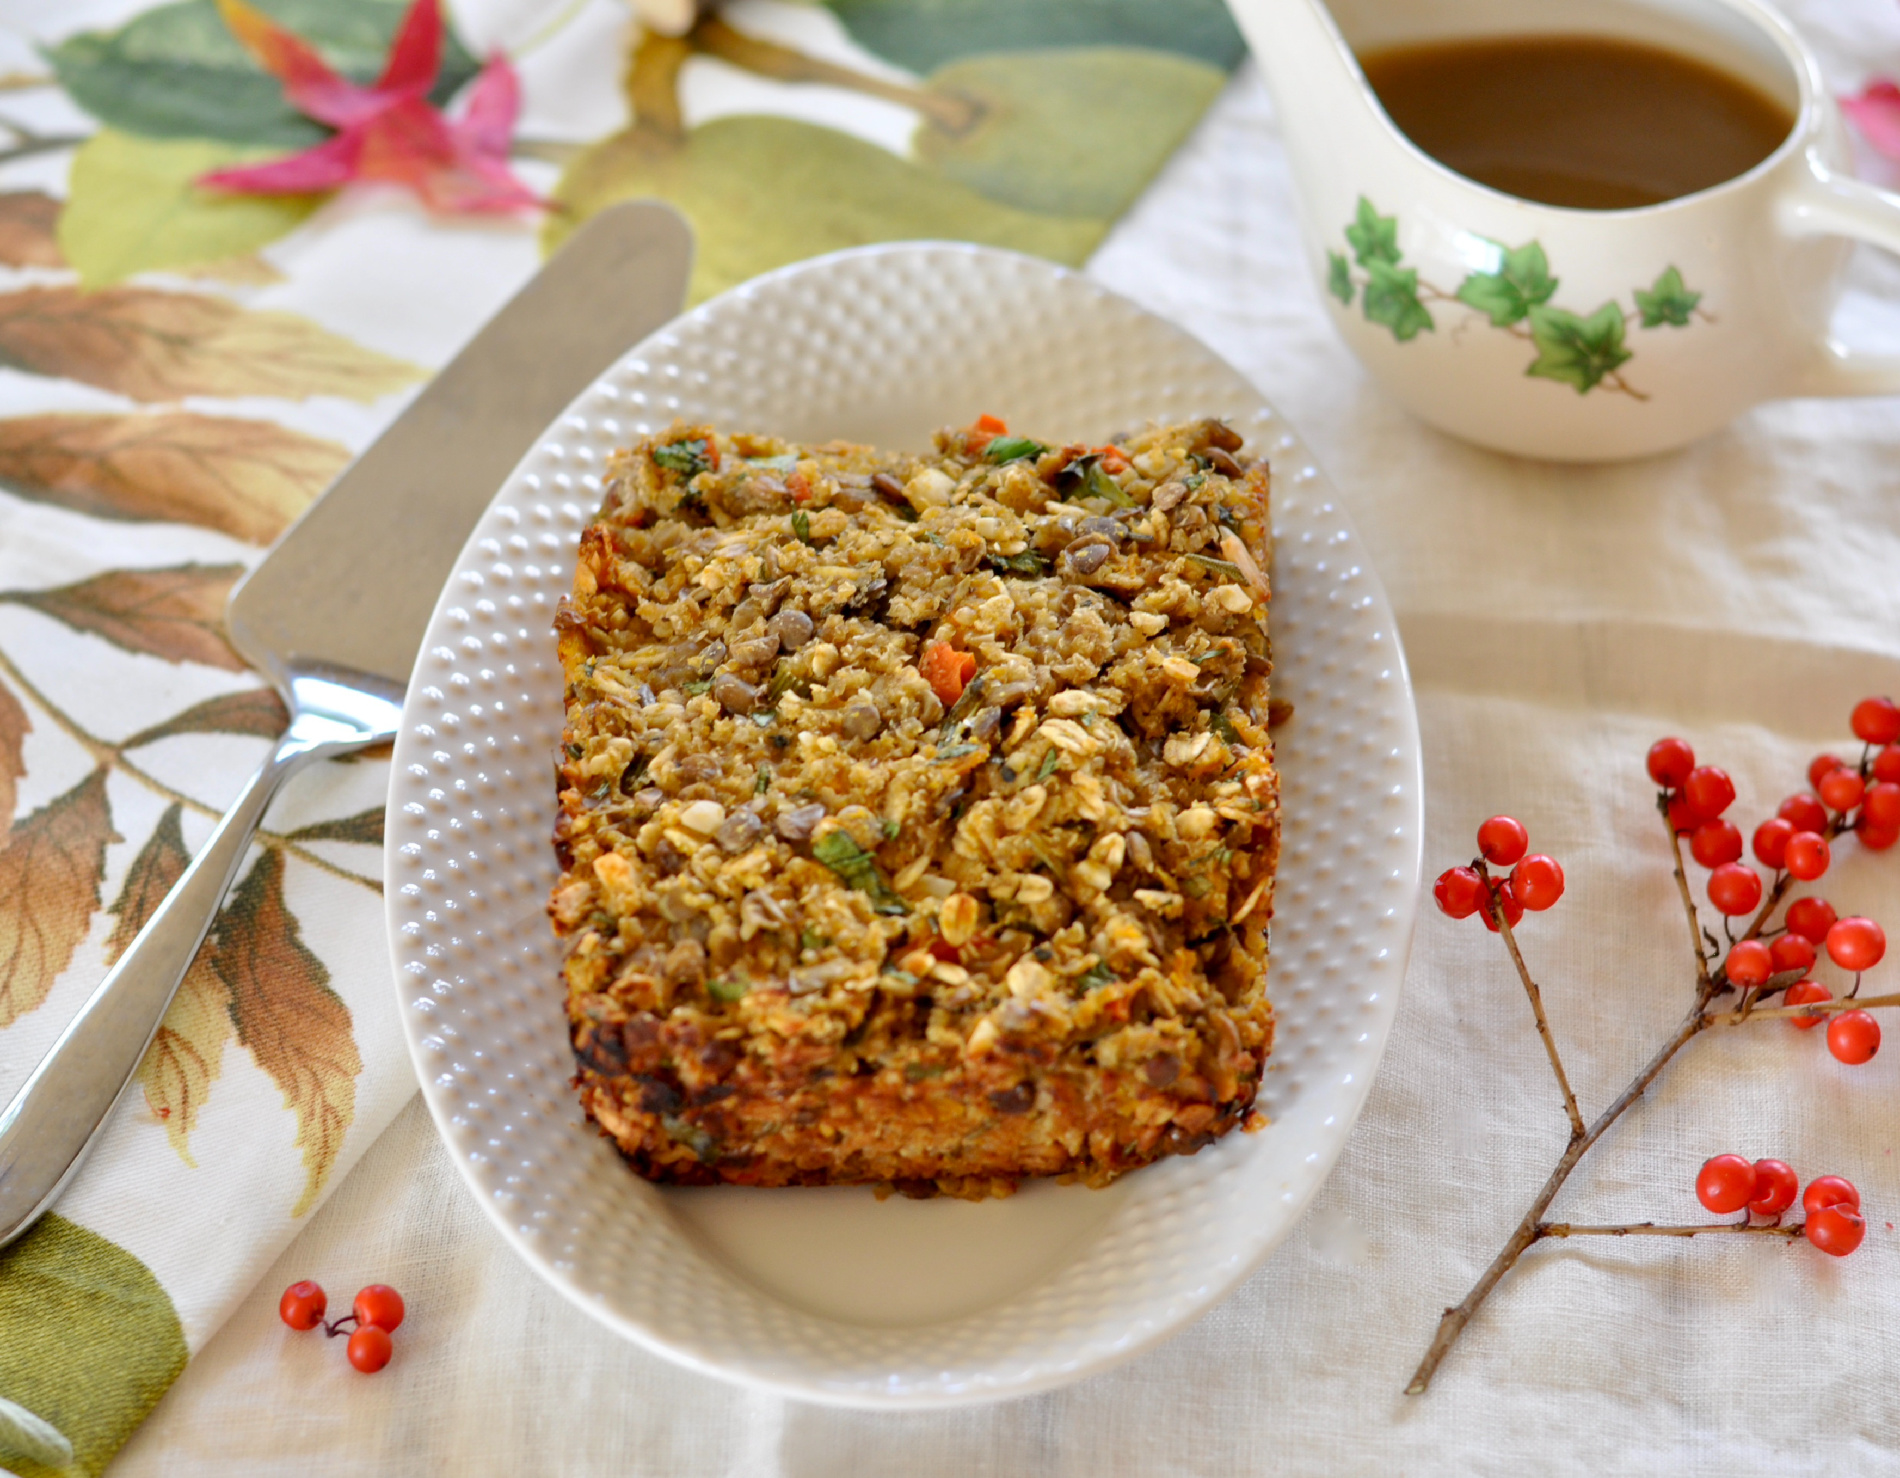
x: 1823, y: 203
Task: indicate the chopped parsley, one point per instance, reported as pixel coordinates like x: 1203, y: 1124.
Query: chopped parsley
x: 1097, y: 976
x: 764, y: 782
x: 1220, y: 566
x: 693, y: 689
x: 725, y: 990
x: 1013, y: 449
x: 956, y: 751
x: 1028, y: 563
x: 1049, y: 762
x: 812, y: 939
x: 801, y: 526
x: 859, y: 870
x: 575, y: 751
x: 1222, y: 725
x: 687, y: 458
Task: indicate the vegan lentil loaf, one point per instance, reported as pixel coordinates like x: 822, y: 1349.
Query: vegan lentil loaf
x: 918, y: 816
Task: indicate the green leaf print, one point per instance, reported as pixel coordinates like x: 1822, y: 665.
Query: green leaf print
x: 1577, y: 351
x: 1392, y: 299
x: 178, y: 72
x: 88, y: 1343
x: 1339, y: 277
x: 1076, y: 132
x: 1507, y: 295
x: 1667, y: 302
x: 1373, y: 237
x: 925, y: 34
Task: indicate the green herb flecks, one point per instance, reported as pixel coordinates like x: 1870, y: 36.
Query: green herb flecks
x: 1219, y: 566
x: 917, y: 1072
x: 956, y: 752
x: 1097, y: 976
x: 812, y: 939
x: 962, y: 708
x: 687, y: 458
x: 859, y: 870
x: 692, y: 1136
x: 801, y: 526
x: 1098, y: 484
x: 1222, y: 725
x: 726, y: 990
x: 575, y: 751
x: 1028, y: 564
x: 764, y: 781
x: 694, y: 689
x: 1013, y: 449
x: 890, y: 829
x: 1049, y: 762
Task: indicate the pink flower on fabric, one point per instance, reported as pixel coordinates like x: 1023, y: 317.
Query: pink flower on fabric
x: 1876, y: 113
x: 388, y: 131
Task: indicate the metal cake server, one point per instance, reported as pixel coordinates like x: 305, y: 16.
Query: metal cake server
x: 334, y: 616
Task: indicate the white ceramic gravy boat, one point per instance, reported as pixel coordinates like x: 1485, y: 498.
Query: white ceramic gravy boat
x: 1601, y: 333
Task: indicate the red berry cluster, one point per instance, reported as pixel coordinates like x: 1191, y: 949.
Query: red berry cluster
x: 377, y: 1312
x: 1536, y: 882
x: 1727, y: 1183
x: 1795, y: 841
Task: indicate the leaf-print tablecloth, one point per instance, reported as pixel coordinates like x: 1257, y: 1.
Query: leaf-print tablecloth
x: 181, y: 373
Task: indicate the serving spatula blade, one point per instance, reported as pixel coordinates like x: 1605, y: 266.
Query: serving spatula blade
x: 334, y: 615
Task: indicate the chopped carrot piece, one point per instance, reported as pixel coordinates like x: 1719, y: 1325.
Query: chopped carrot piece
x: 992, y: 425
x: 947, y: 670
x: 1112, y: 460
x: 983, y: 430
x: 799, y: 486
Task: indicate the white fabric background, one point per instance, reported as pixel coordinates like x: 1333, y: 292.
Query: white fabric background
x: 1742, y: 593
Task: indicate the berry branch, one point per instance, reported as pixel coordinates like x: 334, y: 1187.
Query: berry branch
x: 1768, y: 960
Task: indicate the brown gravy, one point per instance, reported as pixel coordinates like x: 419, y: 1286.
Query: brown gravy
x: 1592, y: 122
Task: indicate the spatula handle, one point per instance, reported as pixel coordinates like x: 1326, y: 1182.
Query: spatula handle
x: 52, y: 1121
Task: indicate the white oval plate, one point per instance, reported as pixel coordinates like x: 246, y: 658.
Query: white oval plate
x: 830, y: 1294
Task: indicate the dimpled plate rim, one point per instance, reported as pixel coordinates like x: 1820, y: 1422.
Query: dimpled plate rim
x: 908, y: 335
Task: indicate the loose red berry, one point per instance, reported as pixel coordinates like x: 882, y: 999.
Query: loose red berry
x: 1459, y: 892
x: 1775, y: 1188
x: 302, y: 1305
x: 1670, y: 761
x: 1829, y: 1190
x: 379, y: 1304
x: 1502, y: 840
x: 1749, y: 963
x: 1804, y: 812
x: 1508, y: 901
x: 1811, y: 918
x: 1792, y: 952
x: 1808, y: 855
x: 1807, y: 993
x: 1771, y: 841
x: 1734, y: 889
x: 1876, y: 720
x: 1876, y: 838
x: 1538, y: 881
x: 1823, y: 766
x: 1880, y: 806
x: 1715, y: 842
x: 1683, y: 816
x: 1842, y: 790
x: 1856, y: 944
x: 1725, y: 1183
x: 1853, y: 1037
x: 1887, y: 764
x: 370, y: 1348
x: 1835, y: 1230
x: 1709, y: 790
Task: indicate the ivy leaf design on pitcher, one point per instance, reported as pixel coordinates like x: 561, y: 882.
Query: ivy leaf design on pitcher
x: 1373, y: 237
x: 1668, y: 301
x: 1580, y: 352
x: 1392, y: 299
x: 1521, y: 283
x: 1339, y: 277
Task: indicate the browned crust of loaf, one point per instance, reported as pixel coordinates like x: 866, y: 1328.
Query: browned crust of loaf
x: 822, y: 931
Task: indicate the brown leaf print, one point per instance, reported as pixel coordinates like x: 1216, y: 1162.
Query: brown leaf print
x: 187, y: 1055
x: 158, y: 346
x: 27, y: 221
x: 293, y: 1024
x: 175, y: 613
x: 245, y: 478
x: 14, y: 727
x: 364, y: 826
x: 258, y: 712
x: 49, y: 889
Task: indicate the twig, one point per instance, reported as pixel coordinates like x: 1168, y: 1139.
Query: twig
x: 1455, y: 1319
x: 103, y: 753
x: 1816, y: 1010
x: 1688, y: 899
x: 1537, y: 1004
x: 1650, y: 1229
